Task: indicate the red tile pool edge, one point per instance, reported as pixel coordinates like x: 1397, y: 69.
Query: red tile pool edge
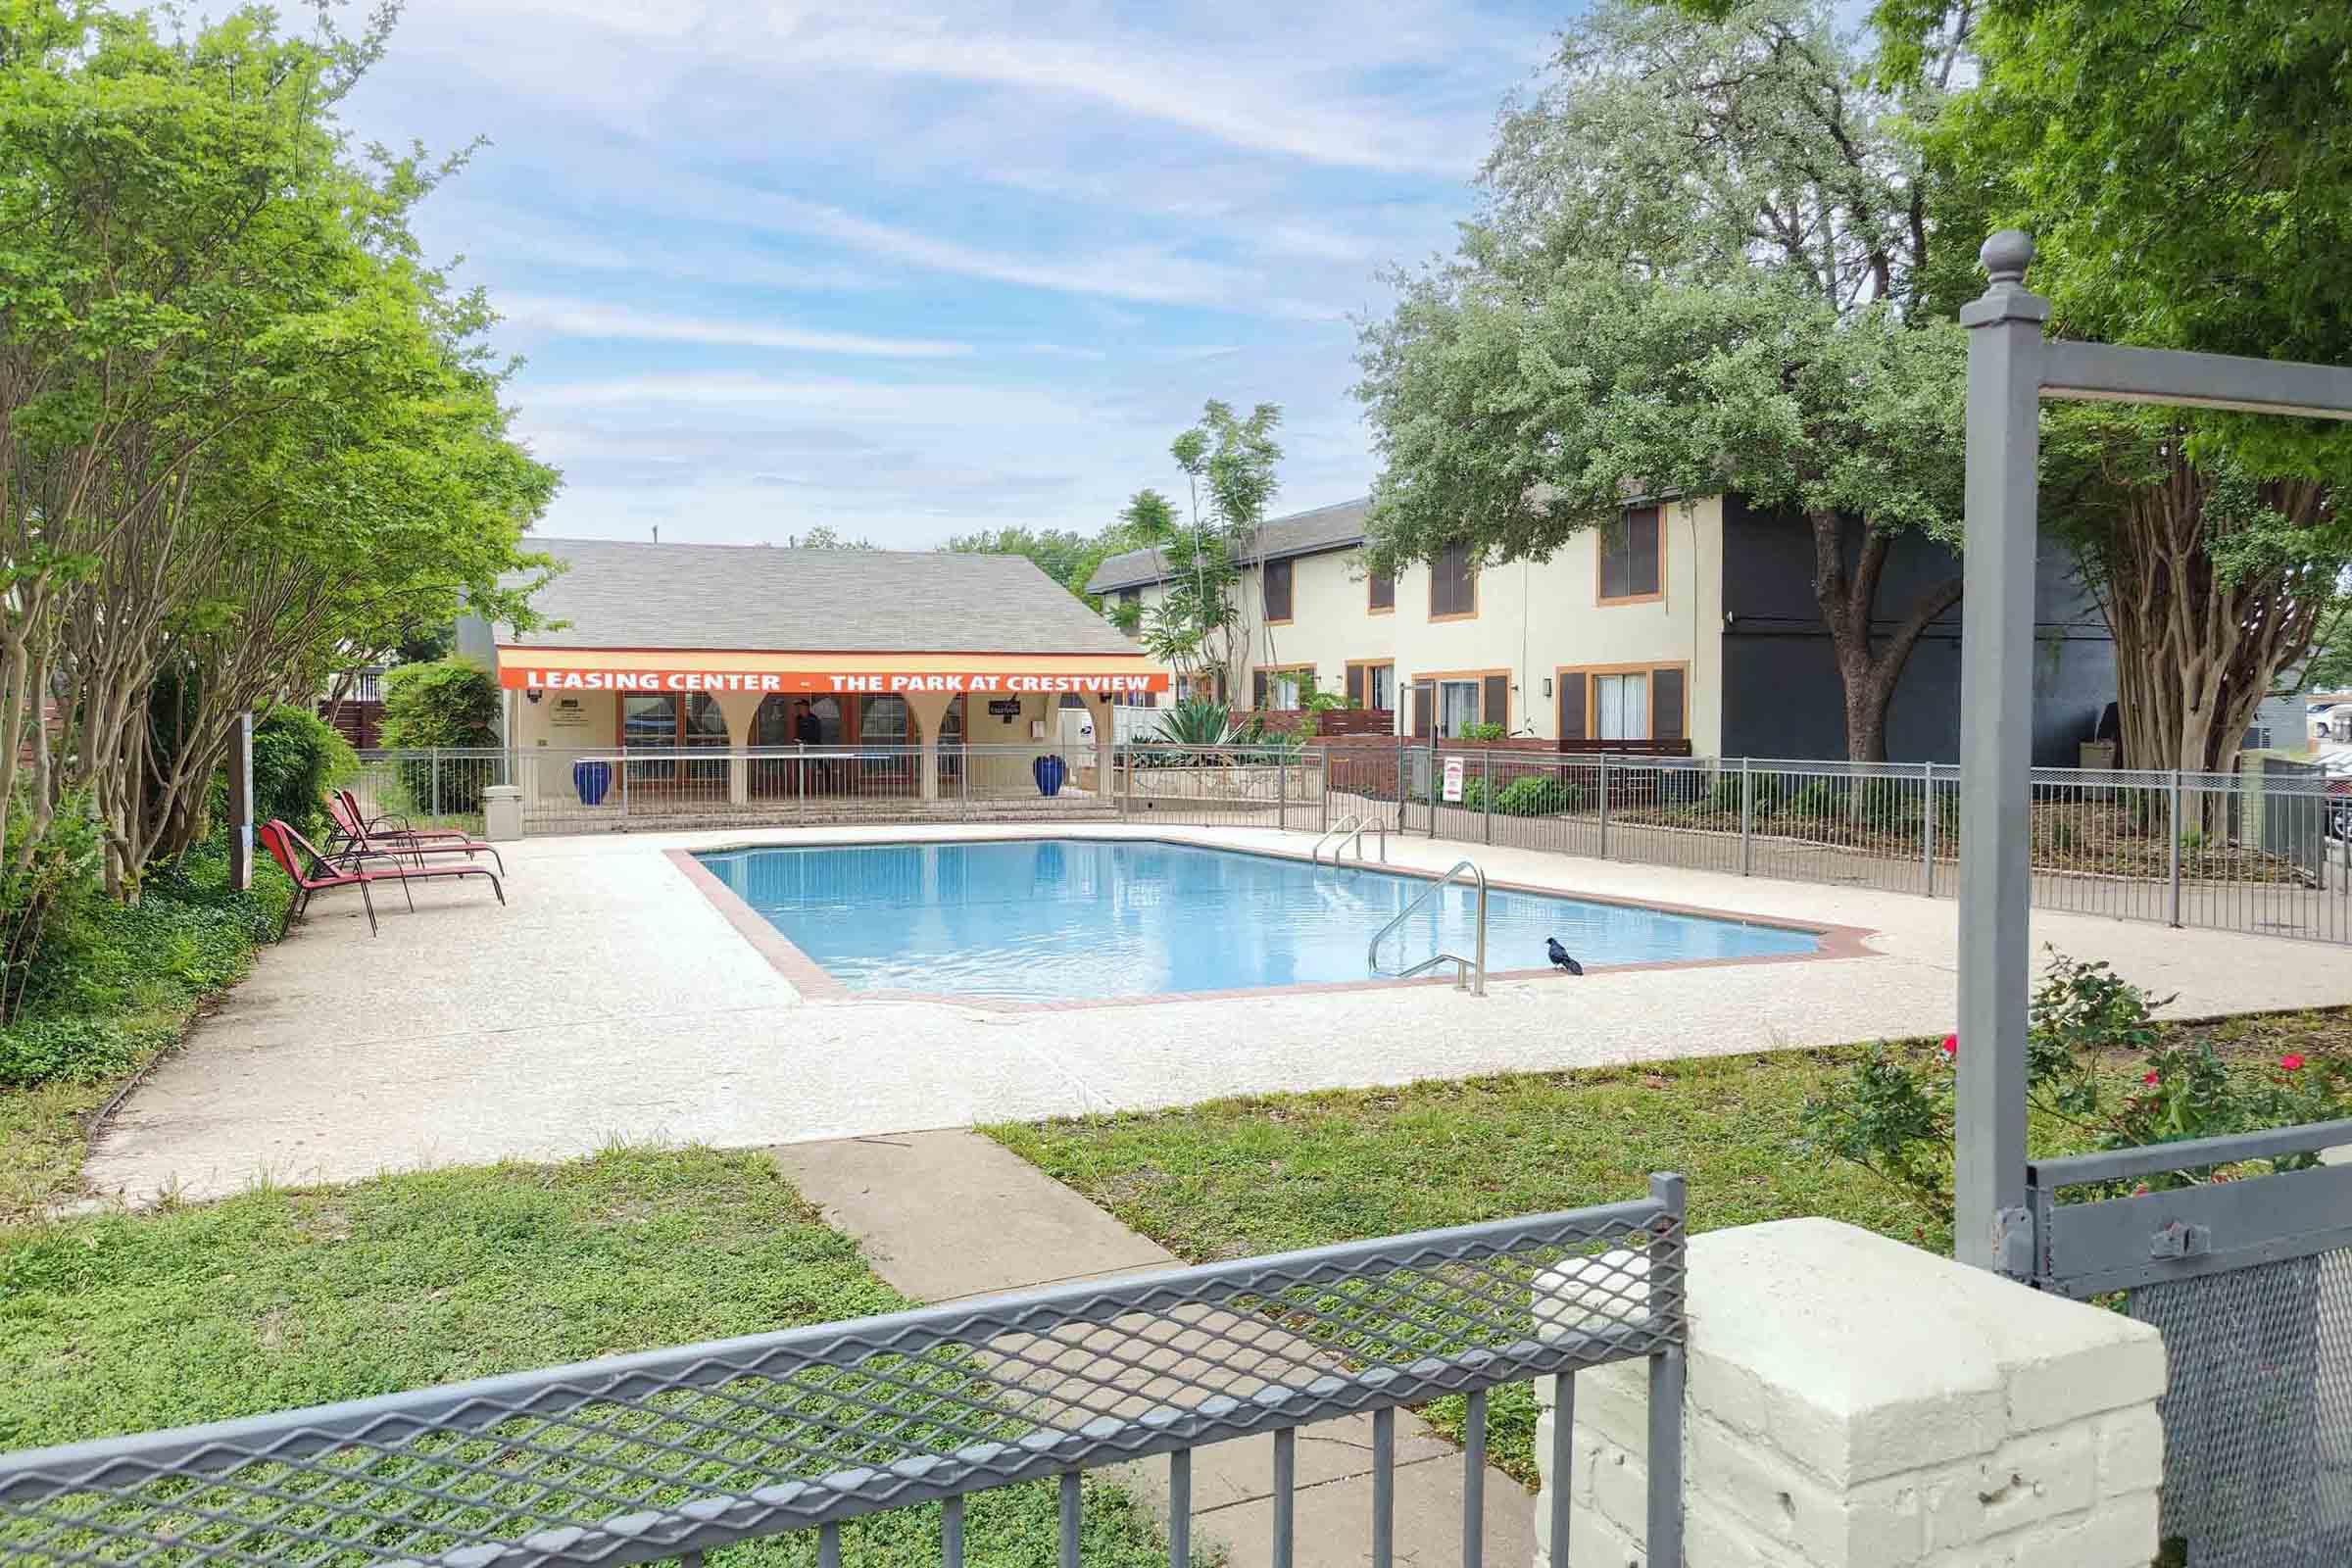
x: 816, y: 983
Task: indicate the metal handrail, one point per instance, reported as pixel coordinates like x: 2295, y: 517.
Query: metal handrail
x: 1350, y: 829
x: 1352, y: 819
x: 1462, y: 968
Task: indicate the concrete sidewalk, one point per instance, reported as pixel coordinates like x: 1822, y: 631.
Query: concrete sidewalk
x: 612, y: 1001
x: 944, y: 1216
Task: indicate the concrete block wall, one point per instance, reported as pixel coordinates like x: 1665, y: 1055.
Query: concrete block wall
x: 1854, y: 1402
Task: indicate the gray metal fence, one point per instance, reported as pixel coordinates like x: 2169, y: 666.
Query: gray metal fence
x: 2249, y: 1280
x: 616, y: 790
x: 672, y: 1453
x: 2263, y: 851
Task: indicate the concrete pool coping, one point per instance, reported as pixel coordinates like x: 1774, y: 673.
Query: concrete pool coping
x: 816, y: 983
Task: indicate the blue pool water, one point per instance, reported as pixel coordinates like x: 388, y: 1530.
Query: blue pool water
x: 1071, y: 920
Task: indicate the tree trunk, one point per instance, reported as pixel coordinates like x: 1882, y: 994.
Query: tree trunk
x: 1848, y: 599
x: 2196, y: 649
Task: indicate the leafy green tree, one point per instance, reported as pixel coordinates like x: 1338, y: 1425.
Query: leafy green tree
x: 244, y: 430
x: 824, y: 536
x: 1065, y: 555
x: 2186, y: 168
x: 448, y: 703
x: 1705, y: 263
x: 1202, y: 624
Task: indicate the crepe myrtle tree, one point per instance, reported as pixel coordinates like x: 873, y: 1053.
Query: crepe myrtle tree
x: 2186, y: 168
x: 1514, y: 413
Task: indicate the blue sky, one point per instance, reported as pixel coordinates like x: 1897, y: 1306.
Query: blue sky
x: 913, y: 270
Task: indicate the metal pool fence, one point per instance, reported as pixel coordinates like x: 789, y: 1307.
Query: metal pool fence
x: 614, y: 790
x: 673, y: 1454
x: 2263, y: 851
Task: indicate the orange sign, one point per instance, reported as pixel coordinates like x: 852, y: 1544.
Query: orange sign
x: 522, y: 677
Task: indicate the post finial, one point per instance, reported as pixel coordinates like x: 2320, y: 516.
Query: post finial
x: 2006, y: 255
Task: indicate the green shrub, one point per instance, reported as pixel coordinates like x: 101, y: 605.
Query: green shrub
x: 297, y: 756
x: 73, y: 1050
x: 36, y: 892
x: 110, y: 983
x: 1816, y: 802
x: 447, y: 703
x: 1484, y: 732
x: 1537, y: 795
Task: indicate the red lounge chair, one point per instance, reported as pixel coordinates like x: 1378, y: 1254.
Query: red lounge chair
x: 287, y: 846
x: 361, y: 840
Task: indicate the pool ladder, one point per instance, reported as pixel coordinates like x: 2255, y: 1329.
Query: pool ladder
x: 1350, y: 829
x: 1463, y: 968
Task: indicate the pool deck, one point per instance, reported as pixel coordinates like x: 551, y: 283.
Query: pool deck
x: 612, y: 1001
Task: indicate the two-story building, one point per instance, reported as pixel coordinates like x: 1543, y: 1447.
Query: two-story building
x: 1692, y: 621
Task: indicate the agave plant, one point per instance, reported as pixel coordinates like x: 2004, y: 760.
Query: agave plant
x: 1193, y: 724
x: 1197, y: 722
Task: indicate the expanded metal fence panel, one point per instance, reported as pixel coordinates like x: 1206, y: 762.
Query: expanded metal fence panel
x: 677, y: 1451
x: 2258, y: 1419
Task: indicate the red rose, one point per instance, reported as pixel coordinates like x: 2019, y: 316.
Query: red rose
x: 1951, y: 1047
x: 2150, y: 1079
x: 2292, y: 1062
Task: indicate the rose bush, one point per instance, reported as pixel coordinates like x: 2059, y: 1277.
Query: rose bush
x: 1892, y: 1114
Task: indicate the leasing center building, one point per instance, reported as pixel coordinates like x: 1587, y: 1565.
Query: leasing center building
x: 672, y: 648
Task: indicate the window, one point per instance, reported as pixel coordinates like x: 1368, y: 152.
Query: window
x: 1632, y: 558
x: 1278, y: 592
x: 1380, y: 594
x: 1621, y: 708
x: 1462, y: 697
x: 1282, y: 687
x: 1452, y: 585
x: 1457, y: 706
x: 1131, y: 596
x: 883, y: 721
x: 1372, y: 685
x: 1625, y: 703
x: 668, y: 721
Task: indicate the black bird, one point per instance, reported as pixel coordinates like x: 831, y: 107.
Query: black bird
x: 1559, y: 956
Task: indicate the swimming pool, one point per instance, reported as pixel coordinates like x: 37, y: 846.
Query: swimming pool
x: 1032, y: 920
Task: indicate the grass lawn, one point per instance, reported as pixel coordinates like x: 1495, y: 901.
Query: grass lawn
x: 119, y: 1323
x: 1269, y: 1173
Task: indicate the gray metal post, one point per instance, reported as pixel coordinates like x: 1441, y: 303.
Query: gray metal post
x: 240, y: 803
x: 1323, y: 793
x: 1485, y: 789
x: 2172, y: 851
x: 1434, y: 787
x: 1927, y: 832
x: 1996, y: 718
x: 1282, y: 792
x: 1127, y: 787
x: 1604, y: 806
x: 1747, y: 816
x: 620, y: 766
x: 433, y: 764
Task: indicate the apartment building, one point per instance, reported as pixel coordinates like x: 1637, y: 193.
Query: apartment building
x: 1692, y: 621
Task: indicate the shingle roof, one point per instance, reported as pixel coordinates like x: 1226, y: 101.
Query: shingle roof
x: 757, y: 598
x: 1302, y: 533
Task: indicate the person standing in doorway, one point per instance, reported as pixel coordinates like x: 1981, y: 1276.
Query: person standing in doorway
x: 807, y: 732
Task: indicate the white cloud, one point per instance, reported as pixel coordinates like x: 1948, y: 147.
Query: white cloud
x: 1150, y: 80
x: 570, y: 317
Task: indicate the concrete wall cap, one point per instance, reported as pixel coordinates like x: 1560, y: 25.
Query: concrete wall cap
x: 1863, y: 1323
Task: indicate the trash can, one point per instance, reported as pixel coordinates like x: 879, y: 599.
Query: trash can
x: 591, y: 780
x: 1050, y: 771
x: 501, y: 813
